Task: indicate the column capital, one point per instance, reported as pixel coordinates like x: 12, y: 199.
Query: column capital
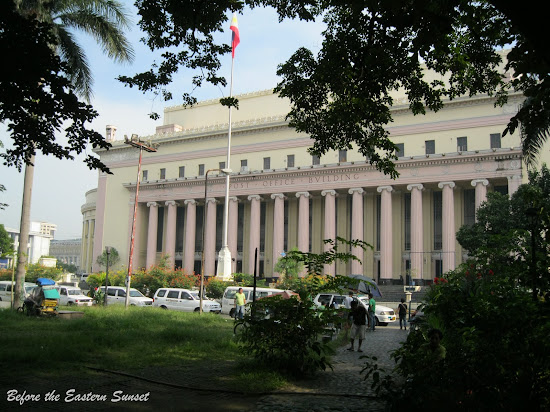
x: 514, y: 177
x: 233, y: 199
x: 190, y: 202
x: 211, y: 200
x: 171, y: 203
x: 359, y: 190
x: 152, y: 204
x: 475, y: 182
x: 254, y: 197
x: 304, y: 194
x: 380, y: 189
x: 441, y: 185
x: 277, y: 195
x: 328, y: 192
x: 418, y: 186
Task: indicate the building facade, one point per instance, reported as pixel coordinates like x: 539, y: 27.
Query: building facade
x: 281, y: 197
x: 67, y: 251
x: 40, y: 236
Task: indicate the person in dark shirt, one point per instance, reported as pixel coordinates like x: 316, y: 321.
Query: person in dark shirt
x: 358, y: 327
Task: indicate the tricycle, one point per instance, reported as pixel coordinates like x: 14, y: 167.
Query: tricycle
x: 43, y: 299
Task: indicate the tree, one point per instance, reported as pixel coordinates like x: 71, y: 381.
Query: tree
x: 6, y: 243
x: 106, y: 20
x: 511, y: 234
x: 111, y: 258
x: 377, y: 47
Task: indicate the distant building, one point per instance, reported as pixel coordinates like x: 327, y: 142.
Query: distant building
x: 67, y: 251
x: 40, y: 236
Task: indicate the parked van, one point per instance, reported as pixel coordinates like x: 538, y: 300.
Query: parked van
x: 72, y: 295
x: 5, y: 289
x: 228, y: 299
x: 117, y: 294
x: 184, y: 300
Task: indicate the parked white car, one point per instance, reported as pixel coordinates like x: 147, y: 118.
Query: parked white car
x: 383, y: 314
x: 5, y: 289
x: 117, y: 294
x: 72, y: 295
x: 183, y: 300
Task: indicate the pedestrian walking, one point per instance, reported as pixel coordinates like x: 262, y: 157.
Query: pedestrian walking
x: 358, y: 327
x: 372, y: 311
x: 402, y: 310
x: 240, y: 301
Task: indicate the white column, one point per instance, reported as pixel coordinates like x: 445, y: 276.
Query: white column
x: 152, y: 234
x: 357, y: 228
x: 330, y: 225
x: 386, y: 227
x: 209, y: 247
x: 232, y: 230
x: 417, y: 230
x: 171, y: 232
x: 449, y: 233
x: 278, y: 227
x: 480, y: 186
x: 303, y: 221
x: 190, y: 232
x: 254, y: 239
x: 514, y: 182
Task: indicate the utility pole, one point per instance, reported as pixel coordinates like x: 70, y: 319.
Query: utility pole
x: 134, y: 141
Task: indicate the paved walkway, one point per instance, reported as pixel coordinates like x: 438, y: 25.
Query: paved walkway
x: 191, y: 389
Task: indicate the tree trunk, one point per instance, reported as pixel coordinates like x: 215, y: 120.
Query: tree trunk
x: 24, y: 228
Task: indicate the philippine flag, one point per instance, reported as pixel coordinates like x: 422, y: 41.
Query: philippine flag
x: 236, y: 39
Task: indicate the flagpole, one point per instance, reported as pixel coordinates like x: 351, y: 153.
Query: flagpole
x: 224, y: 257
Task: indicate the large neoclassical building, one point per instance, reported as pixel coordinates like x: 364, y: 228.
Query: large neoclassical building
x: 281, y: 197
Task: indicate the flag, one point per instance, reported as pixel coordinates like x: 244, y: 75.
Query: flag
x: 236, y: 39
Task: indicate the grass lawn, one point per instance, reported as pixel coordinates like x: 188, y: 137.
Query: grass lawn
x: 129, y: 340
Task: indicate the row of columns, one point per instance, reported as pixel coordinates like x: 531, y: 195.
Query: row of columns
x: 386, y: 230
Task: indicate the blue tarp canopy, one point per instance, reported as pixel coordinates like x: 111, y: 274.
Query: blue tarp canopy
x: 44, y: 282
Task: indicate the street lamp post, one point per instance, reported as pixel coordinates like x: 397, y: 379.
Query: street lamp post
x: 134, y: 141
x: 107, y: 252
x: 225, y: 172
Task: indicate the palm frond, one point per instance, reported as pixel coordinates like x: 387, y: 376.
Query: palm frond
x: 72, y: 54
x: 535, y: 128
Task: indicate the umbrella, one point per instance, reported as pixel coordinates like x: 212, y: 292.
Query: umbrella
x: 367, y: 285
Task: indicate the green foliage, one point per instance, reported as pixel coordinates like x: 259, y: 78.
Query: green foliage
x: 274, y: 324
x: 510, y: 235
x: 35, y: 271
x: 6, y: 243
x: 288, y: 266
x: 291, y: 323
x: 112, y: 258
x: 67, y: 267
x: 37, y: 99
x: 215, y: 287
x: 244, y: 279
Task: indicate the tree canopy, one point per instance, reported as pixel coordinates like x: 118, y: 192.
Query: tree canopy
x: 37, y: 100
x: 376, y: 47
x: 6, y: 243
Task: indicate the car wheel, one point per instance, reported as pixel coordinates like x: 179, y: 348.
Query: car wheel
x: 232, y: 313
x: 70, y: 303
x: 377, y: 322
x: 164, y: 307
x: 197, y: 309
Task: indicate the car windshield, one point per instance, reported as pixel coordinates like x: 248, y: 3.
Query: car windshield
x: 28, y: 289
x: 196, y: 295
x: 136, y: 294
x: 74, y: 292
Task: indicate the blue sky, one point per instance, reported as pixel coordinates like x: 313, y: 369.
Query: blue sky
x: 60, y: 185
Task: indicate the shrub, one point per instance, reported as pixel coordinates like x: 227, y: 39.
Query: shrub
x: 215, y: 287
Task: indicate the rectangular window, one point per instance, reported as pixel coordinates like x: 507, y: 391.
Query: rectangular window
x: 145, y: 175
x: 315, y: 160
x: 221, y: 165
x: 163, y: 173
x: 400, y: 149
x: 430, y: 146
x: 267, y: 163
x: 290, y: 161
x: 201, y: 170
x: 462, y: 144
x: 244, y: 162
x: 182, y: 171
x: 342, y: 156
x: 495, y: 141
